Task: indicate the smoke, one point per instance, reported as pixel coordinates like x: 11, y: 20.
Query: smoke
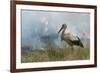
x: 39, y: 28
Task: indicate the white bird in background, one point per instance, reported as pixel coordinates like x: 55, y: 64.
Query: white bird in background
x: 69, y: 38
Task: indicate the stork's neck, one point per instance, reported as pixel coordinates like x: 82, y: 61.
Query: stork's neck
x: 63, y: 31
x: 62, y: 34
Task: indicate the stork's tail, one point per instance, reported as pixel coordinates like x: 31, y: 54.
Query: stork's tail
x: 80, y: 43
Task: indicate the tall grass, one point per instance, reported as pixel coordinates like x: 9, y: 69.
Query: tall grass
x: 56, y: 54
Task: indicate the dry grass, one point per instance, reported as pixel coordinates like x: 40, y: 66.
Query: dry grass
x: 55, y: 54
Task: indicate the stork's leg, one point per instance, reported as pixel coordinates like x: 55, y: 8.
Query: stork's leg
x: 80, y: 53
x: 71, y: 49
x: 71, y: 52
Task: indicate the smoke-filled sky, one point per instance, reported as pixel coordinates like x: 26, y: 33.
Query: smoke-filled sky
x: 40, y: 27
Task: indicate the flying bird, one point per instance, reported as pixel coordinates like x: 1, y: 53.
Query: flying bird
x: 69, y: 38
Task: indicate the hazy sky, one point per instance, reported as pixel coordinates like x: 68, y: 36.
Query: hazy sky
x: 37, y: 24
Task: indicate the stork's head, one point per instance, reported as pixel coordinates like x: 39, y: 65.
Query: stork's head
x: 64, y: 26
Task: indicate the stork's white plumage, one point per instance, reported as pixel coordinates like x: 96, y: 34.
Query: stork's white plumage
x: 69, y: 38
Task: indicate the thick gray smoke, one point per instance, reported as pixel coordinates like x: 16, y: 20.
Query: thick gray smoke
x: 39, y: 28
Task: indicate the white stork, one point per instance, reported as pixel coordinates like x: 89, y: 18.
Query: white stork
x: 69, y: 38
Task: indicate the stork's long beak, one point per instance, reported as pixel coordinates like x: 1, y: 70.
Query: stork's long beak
x: 60, y: 29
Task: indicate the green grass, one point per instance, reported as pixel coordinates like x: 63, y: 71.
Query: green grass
x: 56, y: 54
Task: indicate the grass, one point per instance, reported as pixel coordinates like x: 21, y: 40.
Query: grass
x: 55, y: 54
